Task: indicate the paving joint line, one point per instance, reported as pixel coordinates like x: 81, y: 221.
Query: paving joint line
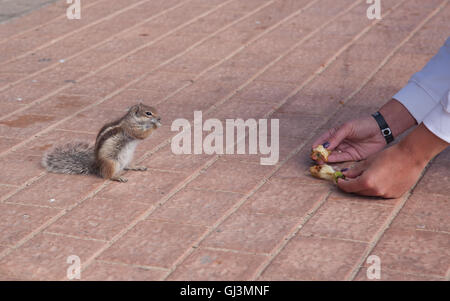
x: 76, y: 31
x: 43, y: 24
x: 288, y: 237
x: 36, y: 135
x: 79, y: 53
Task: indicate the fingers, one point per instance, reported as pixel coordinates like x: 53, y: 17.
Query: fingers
x: 339, y: 157
x: 351, y: 185
x: 342, y: 133
x: 334, y: 136
x: 356, y: 170
x: 354, y: 180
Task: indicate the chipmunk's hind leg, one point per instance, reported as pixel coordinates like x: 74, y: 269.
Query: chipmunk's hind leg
x: 108, y: 169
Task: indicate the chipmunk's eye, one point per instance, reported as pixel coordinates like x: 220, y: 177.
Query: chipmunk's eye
x: 148, y: 113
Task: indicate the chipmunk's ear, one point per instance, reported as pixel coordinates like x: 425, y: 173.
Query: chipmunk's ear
x: 134, y: 109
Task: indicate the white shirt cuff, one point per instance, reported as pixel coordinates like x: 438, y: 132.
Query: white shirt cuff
x: 438, y: 120
x: 418, y: 102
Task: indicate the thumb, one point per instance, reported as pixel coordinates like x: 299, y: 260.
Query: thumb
x: 342, y: 133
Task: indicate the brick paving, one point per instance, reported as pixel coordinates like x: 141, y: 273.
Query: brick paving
x: 310, y: 63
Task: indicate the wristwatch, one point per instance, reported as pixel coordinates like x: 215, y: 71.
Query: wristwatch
x: 384, y: 127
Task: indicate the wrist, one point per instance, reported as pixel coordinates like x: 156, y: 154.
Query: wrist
x: 397, y: 117
x: 421, y: 145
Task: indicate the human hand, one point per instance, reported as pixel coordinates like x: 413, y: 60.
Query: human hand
x: 358, y: 139
x: 395, y: 170
x: 353, y: 141
x: 388, y: 174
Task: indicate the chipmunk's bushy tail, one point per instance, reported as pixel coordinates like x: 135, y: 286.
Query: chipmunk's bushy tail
x: 72, y: 158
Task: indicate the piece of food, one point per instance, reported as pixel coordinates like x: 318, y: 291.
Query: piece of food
x: 326, y: 172
x: 320, y: 153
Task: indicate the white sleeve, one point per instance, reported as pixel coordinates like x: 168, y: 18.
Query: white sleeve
x: 426, y: 96
x: 438, y: 120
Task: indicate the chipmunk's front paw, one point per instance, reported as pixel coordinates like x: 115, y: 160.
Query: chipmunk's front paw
x: 119, y: 179
x: 136, y: 168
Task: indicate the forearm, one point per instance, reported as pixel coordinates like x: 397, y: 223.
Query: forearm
x: 422, y: 145
x: 397, y: 117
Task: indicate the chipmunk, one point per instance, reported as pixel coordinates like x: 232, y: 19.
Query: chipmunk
x: 113, y: 150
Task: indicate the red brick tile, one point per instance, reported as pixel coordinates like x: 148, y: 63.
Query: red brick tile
x: 9, y: 107
x: 424, y: 212
x: 8, y: 78
x: 62, y: 105
x: 251, y: 232
x: 96, y: 86
x: 266, y: 91
x: 98, y: 218
x: 53, y: 138
x: 416, y: 252
x: 146, y: 187
x: 297, y: 125
x: 348, y: 113
x: 152, y: 243
x: 212, y: 3
x: 91, y: 120
x: 28, y: 91
x: 189, y: 64
x: 6, y: 143
x: 164, y: 81
x: 320, y: 103
x: 30, y: 63
x: 17, y: 168
x: 216, y: 47
x: 310, y: 258
x: 244, y: 5
x: 433, y: 181
x: 286, y: 197
x: 388, y: 275
x: 231, y: 176
x: 212, y: 265
x: 230, y: 77
x: 286, y: 146
x: 25, y: 124
x: 347, y: 220
x: 18, y: 221
x: 298, y: 167
x: 5, y: 189
x: 236, y: 108
x: 45, y: 257
x: 183, y: 105
x: 57, y: 190
x: 198, y: 207
x: 212, y: 22
x: 86, y: 63
x: 60, y: 75
x: 165, y: 159
x: 104, y: 271
x: 129, y: 97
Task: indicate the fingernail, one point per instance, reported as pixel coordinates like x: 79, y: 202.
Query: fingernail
x: 344, y: 169
x: 326, y: 144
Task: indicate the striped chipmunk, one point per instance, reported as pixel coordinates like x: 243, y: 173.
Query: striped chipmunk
x: 113, y: 150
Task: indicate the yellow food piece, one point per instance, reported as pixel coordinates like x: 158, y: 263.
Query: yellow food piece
x: 321, y: 153
x: 325, y: 172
